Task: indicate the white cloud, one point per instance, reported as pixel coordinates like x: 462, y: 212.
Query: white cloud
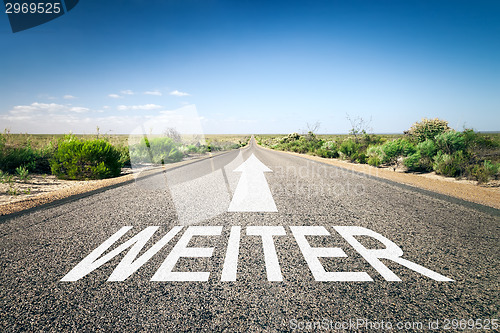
x: 114, y: 96
x: 139, y: 107
x: 57, y: 118
x: 69, y: 97
x: 40, y: 113
x: 178, y: 93
x: 78, y: 109
x: 45, y: 108
x: 127, y: 92
x: 38, y: 108
x: 153, y: 93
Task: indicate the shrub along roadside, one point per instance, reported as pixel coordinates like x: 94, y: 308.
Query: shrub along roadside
x: 156, y: 150
x: 427, y: 129
x: 429, y: 145
x: 32, y: 159
x: 71, y: 157
x: 85, y: 159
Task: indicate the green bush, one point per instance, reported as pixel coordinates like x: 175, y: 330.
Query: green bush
x: 216, y: 145
x: 375, y: 155
x: 422, y: 159
x: 325, y: 153
x: 429, y: 145
x: 12, y: 158
x: 91, y: 159
x: 493, y: 169
x: 477, y: 140
x: 484, y: 172
x: 392, y: 150
x: 374, y: 161
x: 360, y: 157
x: 232, y: 146
x: 330, y: 145
x: 124, y: 155
x: 300, y: 144
x: 23, y: 173
x: 412, y: 162
x: 372, y: 139
x: 349, y: 149
x: 5, y: 178
x: 190, y: 149
x: 157, y: 151
x: 200, y: 149
x: 34, y: 160
x: 427, y: 148
x: 481, y: 147
x: 290, y: 137
x: 450, y: 165
x: 328, y: 149
x: 427, y: 129
x: 450, y: 142
x: 213, y: 147
x: 479, y: 173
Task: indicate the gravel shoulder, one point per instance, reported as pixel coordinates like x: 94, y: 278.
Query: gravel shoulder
x: 488, y: 195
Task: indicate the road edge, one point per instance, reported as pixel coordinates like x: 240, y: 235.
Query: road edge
x: 405, y: 180
x: 59, y: 197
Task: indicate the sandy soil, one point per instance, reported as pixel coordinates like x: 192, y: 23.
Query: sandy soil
x: 41, y: 189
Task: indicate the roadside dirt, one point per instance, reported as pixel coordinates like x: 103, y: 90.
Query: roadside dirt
x: 41, y: 189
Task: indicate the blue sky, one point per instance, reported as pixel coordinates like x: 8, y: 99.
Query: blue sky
x: 254, y: 66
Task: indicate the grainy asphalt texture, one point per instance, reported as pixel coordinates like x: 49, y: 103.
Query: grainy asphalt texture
x: 456, y: 240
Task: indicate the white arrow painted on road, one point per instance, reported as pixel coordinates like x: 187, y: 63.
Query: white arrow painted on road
x: 252, y: 193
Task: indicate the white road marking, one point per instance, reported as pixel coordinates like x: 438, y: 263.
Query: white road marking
x: 391, y: 252
x: 252, y: 193
x: 129, y: 264
x: 164, y: 273
x: 311, y: 255
x: 233, y: 250
x: 271, y: 258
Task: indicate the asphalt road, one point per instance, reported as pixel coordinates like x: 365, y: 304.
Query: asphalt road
x: 457, y: 240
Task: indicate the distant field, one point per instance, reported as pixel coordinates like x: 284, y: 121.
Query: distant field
x: 237, y: 138
x: 41, y: 140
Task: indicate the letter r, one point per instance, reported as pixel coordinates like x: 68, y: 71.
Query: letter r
x: 391, y: 252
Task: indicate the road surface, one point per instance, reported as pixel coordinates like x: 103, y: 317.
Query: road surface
x: 453, y: 239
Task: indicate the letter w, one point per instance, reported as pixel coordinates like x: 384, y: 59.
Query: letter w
x: 128, y: 265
